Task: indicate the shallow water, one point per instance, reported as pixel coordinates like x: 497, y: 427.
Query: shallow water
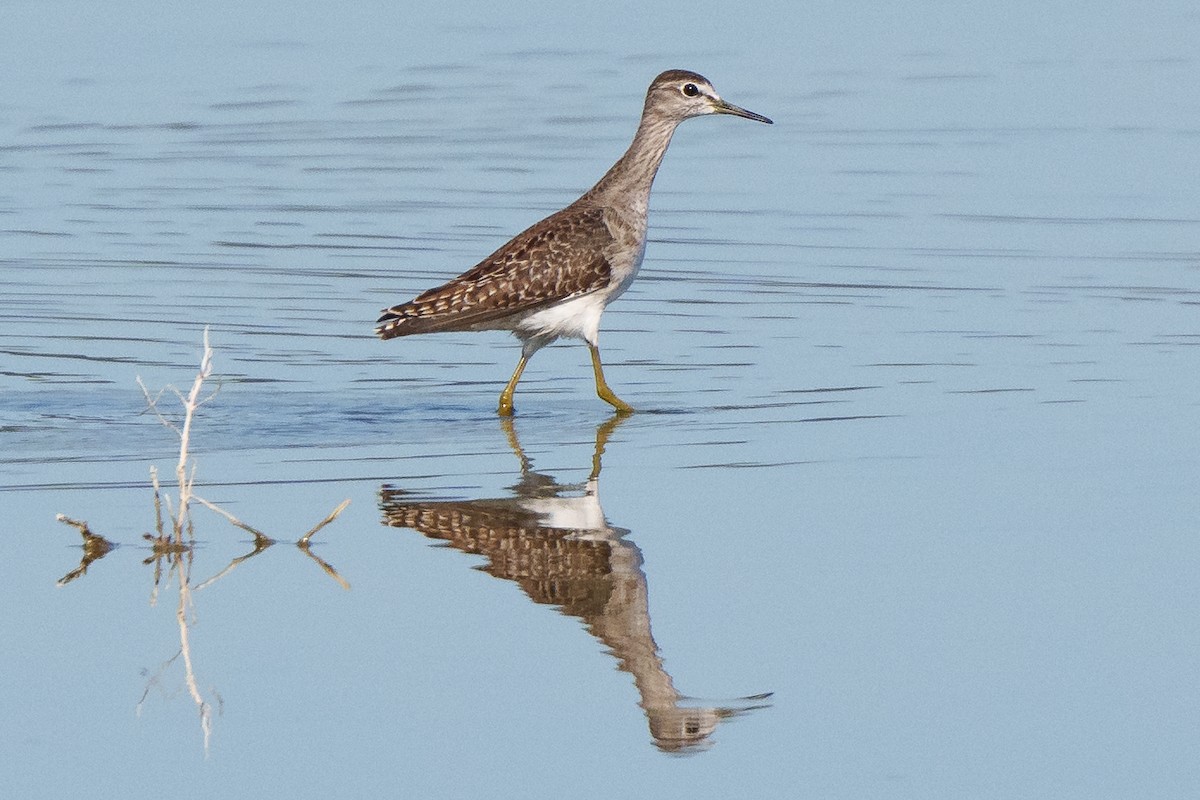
x: 908, y: 508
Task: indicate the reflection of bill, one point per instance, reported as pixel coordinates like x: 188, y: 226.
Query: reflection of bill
x: 554, y: 541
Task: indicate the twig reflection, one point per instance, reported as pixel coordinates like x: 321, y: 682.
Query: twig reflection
x: 95, y: 547
x: 555, y: 542
x: 172, y: 545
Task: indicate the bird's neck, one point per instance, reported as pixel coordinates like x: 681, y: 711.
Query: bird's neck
x: 629, y: 180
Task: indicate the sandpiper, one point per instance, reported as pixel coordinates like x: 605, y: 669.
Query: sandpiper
x: 556, y: 278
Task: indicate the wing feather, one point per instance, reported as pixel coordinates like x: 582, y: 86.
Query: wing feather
x: 561, y: 257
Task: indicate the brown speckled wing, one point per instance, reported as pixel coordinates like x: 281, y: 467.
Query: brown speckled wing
x: 558, y: 258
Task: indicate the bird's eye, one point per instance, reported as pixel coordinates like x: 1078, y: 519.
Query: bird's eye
x: 690, y: 89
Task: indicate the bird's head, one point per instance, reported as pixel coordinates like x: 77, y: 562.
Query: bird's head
x: 681, y: 94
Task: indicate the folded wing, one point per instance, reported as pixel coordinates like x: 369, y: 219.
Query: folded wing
x: 559, y: 258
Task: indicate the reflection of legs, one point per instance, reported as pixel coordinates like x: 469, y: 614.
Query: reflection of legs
x: 510, y: 433
x: 606, y: 394
x: 506, y: 404
x: 604, y: 430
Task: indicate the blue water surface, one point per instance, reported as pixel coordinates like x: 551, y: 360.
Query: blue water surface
x: 908, y: 509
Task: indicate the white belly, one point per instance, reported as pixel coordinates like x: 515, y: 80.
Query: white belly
x: 575, y: 319
x: 580, y: 318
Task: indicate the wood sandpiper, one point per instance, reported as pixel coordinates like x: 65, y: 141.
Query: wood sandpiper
x: 556, y: 278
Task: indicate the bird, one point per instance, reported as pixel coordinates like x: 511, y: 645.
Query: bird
x: 555, y: 278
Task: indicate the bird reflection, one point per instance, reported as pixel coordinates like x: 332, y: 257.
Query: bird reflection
x: 554, y: 541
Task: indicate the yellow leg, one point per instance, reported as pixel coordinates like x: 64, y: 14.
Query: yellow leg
x: 606, y: 394
x: 506, y: 404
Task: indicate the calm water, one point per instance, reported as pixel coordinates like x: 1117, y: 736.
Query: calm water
x: 909, y: 511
